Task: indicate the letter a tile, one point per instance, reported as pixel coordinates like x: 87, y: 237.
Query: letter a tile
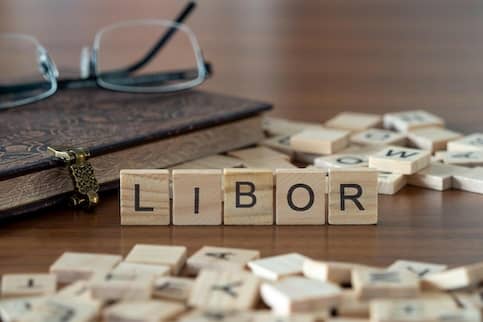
x: 353, y: 196
x: 248, y: 197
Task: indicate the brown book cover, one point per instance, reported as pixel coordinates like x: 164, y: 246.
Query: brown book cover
x: 121, y: 130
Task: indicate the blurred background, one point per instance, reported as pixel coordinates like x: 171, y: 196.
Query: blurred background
x: 310, y: 58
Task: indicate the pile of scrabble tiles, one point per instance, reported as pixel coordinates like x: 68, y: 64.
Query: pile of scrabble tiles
x: 409, y: 147
x: 155, y: 283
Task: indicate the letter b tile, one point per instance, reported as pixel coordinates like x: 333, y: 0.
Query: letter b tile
x: 248, y: 196
x: 352, y: 196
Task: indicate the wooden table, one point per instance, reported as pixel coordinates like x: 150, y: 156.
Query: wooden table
x: 312, y: 59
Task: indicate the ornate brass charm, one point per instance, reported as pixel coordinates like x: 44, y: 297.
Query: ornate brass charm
x: 82, y: 172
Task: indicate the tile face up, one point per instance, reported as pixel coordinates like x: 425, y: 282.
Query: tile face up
x: 228, y: 290
x: 432, y: 138
x: 370, y: 284
x: 71, y: 267
x: 341, y: 161
x: 197, y: 197
x: 276, y: 267
x: 353, y: 197
x: 60, y: 309
x: 378, y: 137
x: 352, y: 121
x: 419, y: 269
x: 220, y: 258
x: 300, y: 197
x: 473, y: 142
x: 248, y: 197
x: 145, y: 197
x: 464, y: 158
x: 173, y: 288
x: 142, y: 311
x: 172, y: 256
x: 28, y: 284
x: 410, y: 120
x: 400, y: 160
x: 321, y: 141
x: 120, y: 287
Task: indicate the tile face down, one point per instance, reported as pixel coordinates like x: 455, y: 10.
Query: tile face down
x: 432, y: 138
x: 352, y: 121
x: 220, y: 258
x: 400, y: 160
x: 436, y: 176
x: 320, y: 141
x: 353, y: 196
x: 248, y: 197
x: 410, y: 120
x: 145, y: 197
x: 197, y: 197
x: 300, y: 197
x: 277, y: 267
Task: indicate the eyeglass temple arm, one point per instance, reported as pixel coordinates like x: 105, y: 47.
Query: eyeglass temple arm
x: 162, y: 41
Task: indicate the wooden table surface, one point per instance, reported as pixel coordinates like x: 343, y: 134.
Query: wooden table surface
x: 312, y: 59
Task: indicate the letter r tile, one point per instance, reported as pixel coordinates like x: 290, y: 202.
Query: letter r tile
x: 248, y: 196
x: 353, y: 196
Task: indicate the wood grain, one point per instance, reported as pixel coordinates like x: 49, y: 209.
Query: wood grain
x: 312, y: 59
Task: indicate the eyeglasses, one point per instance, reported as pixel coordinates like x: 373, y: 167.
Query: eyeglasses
x: 28, y: 74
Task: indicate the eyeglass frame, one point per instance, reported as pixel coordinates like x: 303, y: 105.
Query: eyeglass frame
x: 94, y: 77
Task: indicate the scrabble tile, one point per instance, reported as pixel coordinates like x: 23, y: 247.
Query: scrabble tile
x: 77, y: 289
x: 464, y: 158
x: 142, y: 311
x: 144, y: 197
x: 248, y: 197
x: 224, y: 290
x: 432, y: 138
x: 299, y: 294
x: 280, y: 126
x: 470, y: 180
x: 220, y: 258
x: 28, y: 284
x: 172, y: 256
x: 280, y: 143
x: 378, y: 137
x: 217, y: 315
x: 267, y: 316
x: 352, y: 196
x: 354, y: 122
x: 342, y: 161
x: 400, y: 160
x: 216, y: 161
x: 116, y: 287
x: 269, y: 164
x: 335, y: 272
x: 417, y: 310
x: 173, y: 288
x: 370, y: 284
x: 456, y: 278
x: 141, y: 269
x: 352, y: 307
x: 420, y: 269
x: 71, y: 266
x: 390, y: 183
x: 300, y: 197
x: 276, y: 267
x: 197, y: 197
x: 63, y: 309
x: 436, y: 176
x: 322, y: 141
x: 473, y: 142
x: 411, y: 120
x: 257, y: 153
x: 12, y: 310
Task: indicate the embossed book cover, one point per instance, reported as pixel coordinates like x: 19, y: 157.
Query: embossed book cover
x: 121, y: 131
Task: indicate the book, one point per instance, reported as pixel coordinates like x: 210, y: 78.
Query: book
x: 121, y: 131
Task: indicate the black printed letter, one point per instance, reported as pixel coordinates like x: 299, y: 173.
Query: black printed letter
x: 137, y: 206
x: 290, y: 200
x: 354, y: 198
x: 249, y: 194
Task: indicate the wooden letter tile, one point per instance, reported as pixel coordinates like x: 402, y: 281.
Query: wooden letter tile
x: 354, y: 122
x: 400, y: 160
x: 197, y: 197
x: 342, y: 161
x: 145, y: 197
x: 63, y: 309
x: 14, y: 309
x: 220, y: 258
x: 173, y: 288
x: 473, y: 142
x: 353, y: 196
x: 465, y: 158
x: 28, y: 284
x: 115, y: 287
x: 335, y: 272
x: 371, y: 284
x: 300, y: 197
x: 419, y: 269
x: 142, y: 269
x: 437, y: 176
x: 379, y: 137
x: 224, y: 290
x: 142, y: 311
x: 276, y: 267
x: 248, y: 197
x: 280, y: 143
x: 390, y: 183
x: 410, y: 120
x: 71, y: 267
x: 321, y: 141
x: 172, y: 256
x: 352, y: 307
x: 456, y: 278
x: 299, y: 294
x: 432, y: 138
x: 470, y: 180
